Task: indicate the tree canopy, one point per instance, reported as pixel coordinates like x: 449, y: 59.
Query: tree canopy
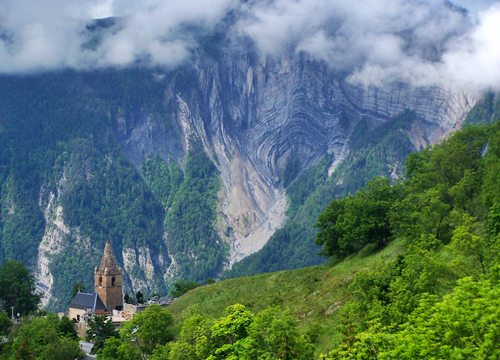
x: 17, y: 288
x: 240, y: 334
x: 99, y: 329
x: 349, y: 223
x: 439, y: 298
x: 149, y: 328
x: 44, y: 338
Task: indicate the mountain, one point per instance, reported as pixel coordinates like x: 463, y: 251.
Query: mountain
x: 187, y: 171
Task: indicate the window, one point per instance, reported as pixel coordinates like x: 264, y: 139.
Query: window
x: 113, y: 281
x: 100, y: 280
x: 78, y: 317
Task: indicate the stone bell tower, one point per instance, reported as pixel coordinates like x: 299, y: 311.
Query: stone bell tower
x: 108, y: 280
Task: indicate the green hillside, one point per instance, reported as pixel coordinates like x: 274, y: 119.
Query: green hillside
x: 313, y: 294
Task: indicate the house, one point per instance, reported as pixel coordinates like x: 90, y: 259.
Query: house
x: 84, y: 304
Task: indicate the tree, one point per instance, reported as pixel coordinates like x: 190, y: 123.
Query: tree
x: 40, y: 338
x: 468, y: 241
x: 66, y: 328
x: 447, y: 223
x: 242, y: 335
x: 194, y: 341
x: 139, y: 297
x: 149, y: 329
x: 183, y: 286
x: 17, y: 288
x: 100, y: 328
x: 5, y: 324
x: 229, y: 333
x: 64, y: 349
x: 77, y: 287
x: 233, y: 326
x: 350, y: 223
x: 463, y: 325
x: 116, y: 349
x: 274, y: 334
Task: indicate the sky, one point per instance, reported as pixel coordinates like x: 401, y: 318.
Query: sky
x: 422, y: 42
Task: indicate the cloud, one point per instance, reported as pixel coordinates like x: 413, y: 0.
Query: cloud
x: 423, y: 42
x: 153, y: 30
x: 45, y: 35
x: 469, y: 61
x: 474, y: 60
x: 34, y: 38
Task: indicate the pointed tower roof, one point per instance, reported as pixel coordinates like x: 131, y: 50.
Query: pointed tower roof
x: 108, y: 264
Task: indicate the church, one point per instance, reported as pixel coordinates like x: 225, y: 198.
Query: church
x: 108, y: 291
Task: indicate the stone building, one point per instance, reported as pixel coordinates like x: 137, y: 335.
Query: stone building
x: 108, y: 291
x: 108, y: 280
x: 84, y: 304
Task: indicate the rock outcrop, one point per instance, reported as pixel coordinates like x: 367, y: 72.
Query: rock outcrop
x: 254, y: 117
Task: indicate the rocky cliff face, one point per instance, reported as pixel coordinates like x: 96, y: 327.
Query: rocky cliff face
x: 258, y: 119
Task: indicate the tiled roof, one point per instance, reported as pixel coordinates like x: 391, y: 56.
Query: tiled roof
x: 87, y: 301
x: 108, y: 264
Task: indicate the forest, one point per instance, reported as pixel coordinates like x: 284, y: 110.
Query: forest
x: 61, y: 151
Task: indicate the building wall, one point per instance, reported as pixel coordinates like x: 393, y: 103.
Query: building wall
x: 81, y: 325
x: 109, y: 291
x: 73, y: 314
x: 133, y: 309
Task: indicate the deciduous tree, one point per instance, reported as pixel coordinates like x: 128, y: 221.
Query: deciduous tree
x: 17, y: 288
x: 100, y: 328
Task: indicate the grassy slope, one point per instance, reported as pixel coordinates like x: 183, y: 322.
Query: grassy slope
x: 312, y: 294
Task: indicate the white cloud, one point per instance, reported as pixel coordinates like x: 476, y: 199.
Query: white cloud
x: 38, y: 35
x: 474, y: 60
x: 469, y: 62
x: 425, y: 42
x: 101, y: 9
x: 421, y: 42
